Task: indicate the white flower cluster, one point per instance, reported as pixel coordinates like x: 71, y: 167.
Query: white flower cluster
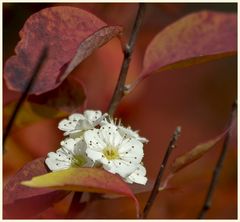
x: 94, y: 140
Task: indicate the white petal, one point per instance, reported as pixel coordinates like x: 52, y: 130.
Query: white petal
x: 59, y: 156
x: 100, y: 120
x: 67, y: 125
x: 143, y: 140
x: 129, y: 133
x: 69, y: 144
x: 94, y: 155
x: 110, y: 135
x: 72, y: 124
x: 89, y: 163
x: 93, y: 140
x: 138, y: 179
x: 74, y: 133
x: 126, y: 179
x: 124, y: 168
x: 75, y: 117
x: 138, y: 176
x: 131, y: 150
x: 125, y: 146
x: 55, y: 164
x: 84, y: 124
x: 62, y: 155
x: 106, y: 121
x: 110, y: 167
x: 141, y: 170
x: 80, y: 147
x: 92, y: 115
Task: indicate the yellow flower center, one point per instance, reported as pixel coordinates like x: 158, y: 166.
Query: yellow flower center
x: 78, y: 161
x: 111, y: 153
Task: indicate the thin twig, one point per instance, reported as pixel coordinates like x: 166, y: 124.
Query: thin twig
x: 29, y: 86
x: 75, y: 205
x: 157, y: 183
x: 218, y: 167
x: 120, y: 87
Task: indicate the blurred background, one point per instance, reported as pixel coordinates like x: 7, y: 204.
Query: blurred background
x: 197, y: 98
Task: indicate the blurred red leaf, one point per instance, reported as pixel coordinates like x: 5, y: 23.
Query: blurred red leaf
x: 194, y: 154
x: 196, y: 38
x: 23, y: 202
x: 84, y: 180
x: 71, y: 35
x: 201, y: 149
x: 31, y: 113
x: 69, y: 97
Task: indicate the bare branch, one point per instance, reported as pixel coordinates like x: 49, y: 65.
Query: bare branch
x: 120, y: 87
x: 29, y: 85
x: 157, y: 183
x: 216, y: 173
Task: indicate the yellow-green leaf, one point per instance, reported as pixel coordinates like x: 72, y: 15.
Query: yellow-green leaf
x: 83, y: 180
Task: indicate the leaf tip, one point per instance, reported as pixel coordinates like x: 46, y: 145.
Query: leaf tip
x: 26, y: 183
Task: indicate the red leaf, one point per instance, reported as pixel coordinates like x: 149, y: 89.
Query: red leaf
x: 196, y: 38
x: 194, y: 154
x: 198, y: 151
x: 84, y: 180
x: 69, y: 97
x: 71, y: 35
x: 24, y: 202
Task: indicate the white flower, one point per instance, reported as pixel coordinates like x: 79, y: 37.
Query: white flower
x: 138, y: 176
x: 71, y: 154
x: 116, y: 154
x: 126, y: 132
x: 77, y: 123
x: 129, y: 133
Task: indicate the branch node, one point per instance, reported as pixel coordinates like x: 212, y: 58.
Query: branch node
x: 127, y: 51
x: 119, y: 91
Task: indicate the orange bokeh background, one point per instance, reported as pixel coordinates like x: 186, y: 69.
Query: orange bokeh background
x: 197, y: 98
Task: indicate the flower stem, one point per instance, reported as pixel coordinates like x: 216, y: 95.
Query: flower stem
x: 29, y: 85
x: 155, y: 190
x: 120, y: 87
x: 216, y: 173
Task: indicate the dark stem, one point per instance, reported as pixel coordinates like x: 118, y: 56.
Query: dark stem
x: 157, y: 183
x: 75, y: 205
x: 29, y: 86
x: 216, y: 173
x: 120, y: 87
